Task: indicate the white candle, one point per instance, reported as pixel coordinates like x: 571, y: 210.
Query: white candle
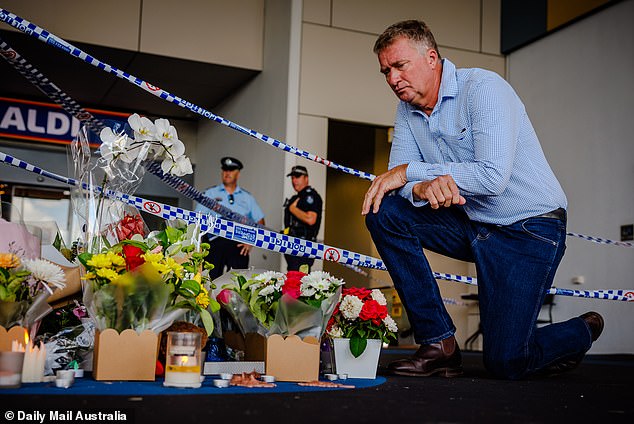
x: 34, y: 360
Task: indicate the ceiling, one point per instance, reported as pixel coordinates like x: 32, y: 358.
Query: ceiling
x: 203, y: 84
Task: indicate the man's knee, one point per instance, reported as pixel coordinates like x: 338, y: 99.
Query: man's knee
x: 380, y: 220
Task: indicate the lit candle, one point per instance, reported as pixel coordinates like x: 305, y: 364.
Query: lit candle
x: 183, y: 360
x: 34, y: 361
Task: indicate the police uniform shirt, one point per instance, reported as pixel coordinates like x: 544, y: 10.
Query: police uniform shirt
x: 309, y: 201
x: 243, y: 202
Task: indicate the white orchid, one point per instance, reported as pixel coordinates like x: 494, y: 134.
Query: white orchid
x: 154, y: 141
x: 143, y: 128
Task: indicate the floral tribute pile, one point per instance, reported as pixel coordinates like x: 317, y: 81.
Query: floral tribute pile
x: 361, y: 315
x: 276, y: 303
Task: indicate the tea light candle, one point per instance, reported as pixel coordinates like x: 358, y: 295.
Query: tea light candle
x: 331, y: 377
x: 226, y: 375
x: 221, y: 383
x: 183, y: 360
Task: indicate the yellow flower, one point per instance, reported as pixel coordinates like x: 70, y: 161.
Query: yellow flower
x: 9, y: 260
x: 122, y: 280
x: 107, y: 273
x: 202, y: 299
x: 117, y: 260
x: 174, y: 266
x: 100, y: 260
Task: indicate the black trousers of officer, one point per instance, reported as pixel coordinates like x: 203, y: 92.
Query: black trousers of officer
x: 225, y: 255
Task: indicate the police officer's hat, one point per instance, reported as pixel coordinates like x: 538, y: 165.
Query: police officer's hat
x: 298, y: 170
x: 229, y: 164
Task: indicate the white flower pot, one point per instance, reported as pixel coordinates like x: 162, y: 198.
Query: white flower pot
x: 362, y: 367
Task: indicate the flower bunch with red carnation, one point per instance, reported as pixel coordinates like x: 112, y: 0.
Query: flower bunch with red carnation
x: 361, y: 315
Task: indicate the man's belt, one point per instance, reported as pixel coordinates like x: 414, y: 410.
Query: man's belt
x: 559, y: 214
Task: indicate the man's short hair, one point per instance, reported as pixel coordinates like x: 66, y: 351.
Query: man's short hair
x: 414, y: 30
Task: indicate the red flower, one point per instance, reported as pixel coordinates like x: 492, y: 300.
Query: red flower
x: 360, y: 292
x: 293, y: 284
x: 224, y: 296
x: 129, y: 226
x: 295, y: 275
x: 132, y: 256
x: 373, y: 311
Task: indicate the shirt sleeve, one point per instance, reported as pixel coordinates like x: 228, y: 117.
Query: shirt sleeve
x: 495, y: 113
x: 255, y: 212
x: 315, y: 206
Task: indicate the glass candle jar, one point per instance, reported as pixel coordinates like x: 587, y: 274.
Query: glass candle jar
x: 182, y: 362
x: 11, y: 369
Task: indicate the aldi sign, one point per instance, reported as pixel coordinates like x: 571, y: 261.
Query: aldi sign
x: 26, y: 120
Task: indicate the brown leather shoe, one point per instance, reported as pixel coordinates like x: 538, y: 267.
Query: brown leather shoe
x: 441, y: 358
x: 595, y: 323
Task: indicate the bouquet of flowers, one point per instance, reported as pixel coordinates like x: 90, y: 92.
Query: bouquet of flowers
x: 24, y: 287
x: 148, y: 282
x: 276, y: 303
x: 123, y: 151
x: 362, y: 315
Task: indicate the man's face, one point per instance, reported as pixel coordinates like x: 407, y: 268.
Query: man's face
x: 299, y: 182
x: 230, y: 177
x: 408, y: 72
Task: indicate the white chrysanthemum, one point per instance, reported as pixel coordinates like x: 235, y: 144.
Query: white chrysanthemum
x: 350, y: 307
x: 319, y: 283
x: 379, y: 297
x: 390, y: 324
x: 268, y: 290
x: 268, y: 276
x: 335, y: 331
x: 46, y: 272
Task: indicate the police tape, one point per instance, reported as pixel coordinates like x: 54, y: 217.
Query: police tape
x: 269, y: 240
x: 34, y: 30
x: 31, y: 29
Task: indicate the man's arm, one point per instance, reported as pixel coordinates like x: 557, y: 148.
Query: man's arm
x: 307, y: 217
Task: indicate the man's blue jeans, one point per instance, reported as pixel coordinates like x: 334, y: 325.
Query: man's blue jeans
x: 515, y: 267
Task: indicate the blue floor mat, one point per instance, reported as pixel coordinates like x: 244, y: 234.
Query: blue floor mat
x: 88, y: 386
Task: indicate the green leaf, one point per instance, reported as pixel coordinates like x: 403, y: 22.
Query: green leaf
x: 189, y: 288
x: 208, y: 322
x: 357, y: 346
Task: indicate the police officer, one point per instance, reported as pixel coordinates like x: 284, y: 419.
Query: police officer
x: 226, y: 253
x: 302, y: 214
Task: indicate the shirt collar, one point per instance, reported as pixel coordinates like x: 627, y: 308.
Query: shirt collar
x: 448, y: 83
x: 237, y: 190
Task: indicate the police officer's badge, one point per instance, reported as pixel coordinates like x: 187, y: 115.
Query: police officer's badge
x: 310, y: 200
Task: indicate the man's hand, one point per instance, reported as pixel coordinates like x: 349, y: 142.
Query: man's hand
x: 245, y: 249
x: 392, y: 179
x: 441, y: 191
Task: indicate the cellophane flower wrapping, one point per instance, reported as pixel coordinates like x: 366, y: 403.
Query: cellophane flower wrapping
x: 294, y: 303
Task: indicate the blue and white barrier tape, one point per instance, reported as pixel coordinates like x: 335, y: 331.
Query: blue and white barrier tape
x: 43, y: 84
x: 269, y: 240
x: 31, y: 29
